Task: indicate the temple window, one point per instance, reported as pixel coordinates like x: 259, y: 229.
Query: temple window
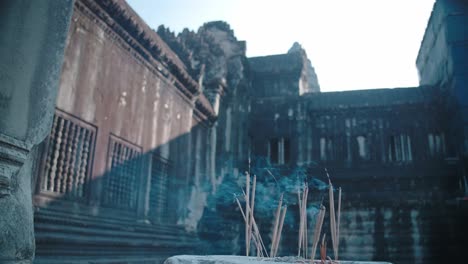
x: 120, y: 182
x: 363, y: 147
x: 279, y: 150
x: 436, y: 143
x: 399, y: 148
x: 326, y: 149
x: 68, y: 156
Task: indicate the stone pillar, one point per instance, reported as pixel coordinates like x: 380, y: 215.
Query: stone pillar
x: 32, y: 41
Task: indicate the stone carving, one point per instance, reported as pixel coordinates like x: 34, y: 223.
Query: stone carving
x: 13, y: 154
x: 213, y: 55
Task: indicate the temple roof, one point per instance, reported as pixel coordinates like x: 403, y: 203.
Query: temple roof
x: 368, y: 98
x: 288, y: 62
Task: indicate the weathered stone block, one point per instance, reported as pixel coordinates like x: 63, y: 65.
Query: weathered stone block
x: 194, y: 259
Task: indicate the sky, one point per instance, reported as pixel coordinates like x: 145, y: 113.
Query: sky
x: 352, y: 44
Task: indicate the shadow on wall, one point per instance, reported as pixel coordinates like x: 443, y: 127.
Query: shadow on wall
x: 145, y: 206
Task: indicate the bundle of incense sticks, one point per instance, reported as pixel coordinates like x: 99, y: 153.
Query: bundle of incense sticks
x: 334, y: 223
x: 250, y: 220
x: 280, y: 229
x: 303, y: 243
x: 317, y: 231
x: 257, y: 239
x: 277, y: 227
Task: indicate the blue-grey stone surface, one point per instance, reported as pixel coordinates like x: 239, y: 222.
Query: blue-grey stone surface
x: 222, y: 259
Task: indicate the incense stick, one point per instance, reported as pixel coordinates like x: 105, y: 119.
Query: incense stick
x: 304, y: 214
x: 323, y: 249
x: 247, y: 213
x: 335, y: 222
x: 332, y: 217
x: 338, y: 224
x: 275, y: 227
x: 251, y: 209
x: 302, y: 200
x: 252, y: 205
x: 283, y: 214
x: 317, y: 231
x: 299, y: 198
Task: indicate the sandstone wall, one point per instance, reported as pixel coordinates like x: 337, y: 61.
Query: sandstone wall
x: 442, y: 60
x: 379, y: 146
x: 141, y: 139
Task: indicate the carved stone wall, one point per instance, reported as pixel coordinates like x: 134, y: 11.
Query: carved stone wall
x: 389, y: 149
x: 442, y: 61
x: 139, y: 143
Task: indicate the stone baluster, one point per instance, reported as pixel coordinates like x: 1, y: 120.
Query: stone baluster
x: 115, y: 170
x: 84, y: 163
x: 108, y: 175
x: 60, y: 156
x: 114, y: 189
x: 50, y: 152
x: 65, y: 158
x: 124, y: 176
x: 79, y: 147
x: 56, y: 156
x: 136, y: 170
x: 71, y: 173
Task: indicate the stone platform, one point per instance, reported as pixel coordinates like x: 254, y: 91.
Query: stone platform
x: 225, y: 259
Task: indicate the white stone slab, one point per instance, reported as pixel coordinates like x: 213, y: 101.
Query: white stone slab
x: 225, y: 259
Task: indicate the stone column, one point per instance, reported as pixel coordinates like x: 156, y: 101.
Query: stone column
x: 32, y: 41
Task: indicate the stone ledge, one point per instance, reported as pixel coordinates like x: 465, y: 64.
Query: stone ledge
x: 220, y: 259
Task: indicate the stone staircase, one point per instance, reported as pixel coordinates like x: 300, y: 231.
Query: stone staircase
x: 65, y: 238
